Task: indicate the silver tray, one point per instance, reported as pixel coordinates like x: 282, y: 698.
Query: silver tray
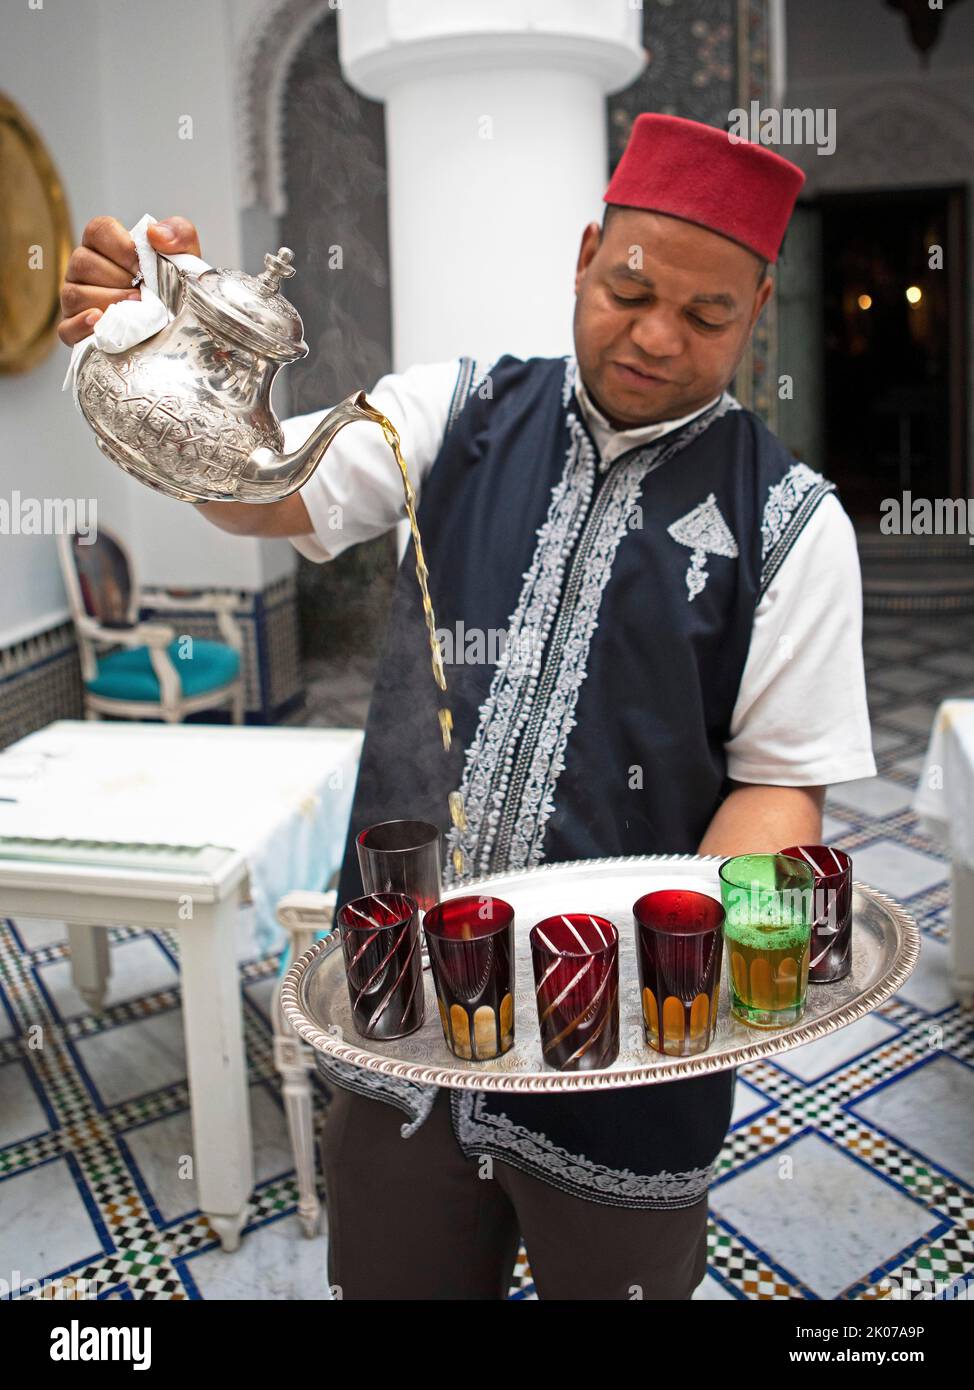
x: 314, y: 996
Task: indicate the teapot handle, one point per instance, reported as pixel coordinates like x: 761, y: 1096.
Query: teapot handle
x: 170, y: 283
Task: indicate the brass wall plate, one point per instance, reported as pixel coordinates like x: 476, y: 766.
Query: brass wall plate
x: 35, y: 243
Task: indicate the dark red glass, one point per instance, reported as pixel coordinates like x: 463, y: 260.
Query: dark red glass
x: 679, y: 943
x: 471, y: 950
x: 401, y: 856
x: 380, y: 939
x: 576, y: 977
x: 830, y: 954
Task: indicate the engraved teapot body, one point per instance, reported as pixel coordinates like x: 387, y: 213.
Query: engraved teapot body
x: 188, y: 411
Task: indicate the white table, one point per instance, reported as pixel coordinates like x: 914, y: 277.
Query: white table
x: 112, y: 824
x: 944, y: 804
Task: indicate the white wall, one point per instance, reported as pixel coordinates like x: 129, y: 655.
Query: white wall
x: 105, y: 83
x: 47, y: 450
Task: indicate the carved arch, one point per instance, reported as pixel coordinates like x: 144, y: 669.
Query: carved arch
x: 264, y: 60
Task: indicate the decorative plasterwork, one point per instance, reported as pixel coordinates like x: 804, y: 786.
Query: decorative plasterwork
x: 264, y: 59
x: 891, y: 135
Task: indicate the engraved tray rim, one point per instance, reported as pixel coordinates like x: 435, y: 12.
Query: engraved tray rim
x: 478, y: 1077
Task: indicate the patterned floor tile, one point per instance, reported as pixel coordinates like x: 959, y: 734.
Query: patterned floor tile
x: 906, y: 680
x: 834, y: 830
x: 929, y: 987
x: 914, y: 718
x: 889, y: 649
x: 48, y: 1221
x: 747, y: 1101
x: 140, y: 966
x: 274, y: 1261
x: 871, y: 796
x: 37, y: 932
x: 7, y: 1029
x: 898, y: 870
x: 952, y: 663
x: 135, y: 1058
x: 22, y: 1112
x: 161, y: 1153
x: 815, y: 1059
x: 885, y: 740
x: 712, y: 1291
x: 931, y: 1111
x: 784, y: 1201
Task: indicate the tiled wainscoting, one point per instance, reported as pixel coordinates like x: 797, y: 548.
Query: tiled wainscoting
x: 40, y: 681
x: 40, y: 678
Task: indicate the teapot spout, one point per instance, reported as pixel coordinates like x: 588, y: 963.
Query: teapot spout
x: 268, y: 476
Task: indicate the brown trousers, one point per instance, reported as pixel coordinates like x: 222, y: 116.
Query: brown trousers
x: 414, y: 1219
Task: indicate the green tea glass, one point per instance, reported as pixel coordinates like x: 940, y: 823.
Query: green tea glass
x: 768, y: 901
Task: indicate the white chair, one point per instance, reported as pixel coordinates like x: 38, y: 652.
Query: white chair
x: 150, y: 673
x: 304, y: 916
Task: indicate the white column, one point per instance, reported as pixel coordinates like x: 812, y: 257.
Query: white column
x: 497, y: 158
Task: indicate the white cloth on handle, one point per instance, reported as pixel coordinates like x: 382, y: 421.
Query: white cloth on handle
x: 131, y: 321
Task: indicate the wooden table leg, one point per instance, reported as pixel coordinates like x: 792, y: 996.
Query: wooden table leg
x: 217, y: 1067
x: 90, y: 962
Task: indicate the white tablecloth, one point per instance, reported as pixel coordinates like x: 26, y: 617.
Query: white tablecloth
x: 944, y: 798
x: 280, y: 796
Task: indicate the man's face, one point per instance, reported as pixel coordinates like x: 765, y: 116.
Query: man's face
x: 663, y: 313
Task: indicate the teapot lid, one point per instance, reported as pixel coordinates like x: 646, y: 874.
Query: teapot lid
x: 249, y: 310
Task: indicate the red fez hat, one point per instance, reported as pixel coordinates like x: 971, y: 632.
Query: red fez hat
x: 698, y: 173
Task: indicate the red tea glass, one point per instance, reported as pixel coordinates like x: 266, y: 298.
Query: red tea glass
x: 830, y: 956
x: 679, y: 942
x: 380, y: 939
x: 471, y: 950
x: 401, y: 856
x: 576, y: 976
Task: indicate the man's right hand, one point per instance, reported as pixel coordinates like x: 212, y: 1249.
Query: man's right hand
x: 100, y: 271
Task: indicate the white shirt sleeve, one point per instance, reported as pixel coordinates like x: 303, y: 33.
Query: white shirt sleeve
x: 355, y: 493
x: 801, y: 717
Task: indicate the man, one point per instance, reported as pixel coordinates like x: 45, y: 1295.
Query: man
x: 689, y: 598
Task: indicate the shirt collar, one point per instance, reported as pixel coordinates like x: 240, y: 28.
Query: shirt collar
x: 611, y: 443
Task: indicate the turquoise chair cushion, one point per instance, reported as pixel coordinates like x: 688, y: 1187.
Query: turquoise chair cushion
x: 128, y: 675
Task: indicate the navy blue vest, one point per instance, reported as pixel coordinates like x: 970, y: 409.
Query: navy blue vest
x: 626, y: 595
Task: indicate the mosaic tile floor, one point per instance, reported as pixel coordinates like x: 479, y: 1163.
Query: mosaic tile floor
x: 869, y: 1133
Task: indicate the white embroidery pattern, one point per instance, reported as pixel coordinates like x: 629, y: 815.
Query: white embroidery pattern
x: 789, y: 504
x: 490, y: 755
x: 519, y: 843
x: 410, y: 1096
x: 479, y: 1131
x: 568, y: 382
x: 470, y: 377
x: 706, y: 532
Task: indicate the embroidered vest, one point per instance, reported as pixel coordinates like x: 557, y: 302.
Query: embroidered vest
x: 622, y: 599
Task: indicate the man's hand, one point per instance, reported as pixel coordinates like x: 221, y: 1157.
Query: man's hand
x: 100, y: 271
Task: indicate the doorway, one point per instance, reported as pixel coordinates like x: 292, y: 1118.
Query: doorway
x: 893, y: 279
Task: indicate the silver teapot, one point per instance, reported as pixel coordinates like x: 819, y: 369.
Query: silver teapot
x: 188, y: 411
